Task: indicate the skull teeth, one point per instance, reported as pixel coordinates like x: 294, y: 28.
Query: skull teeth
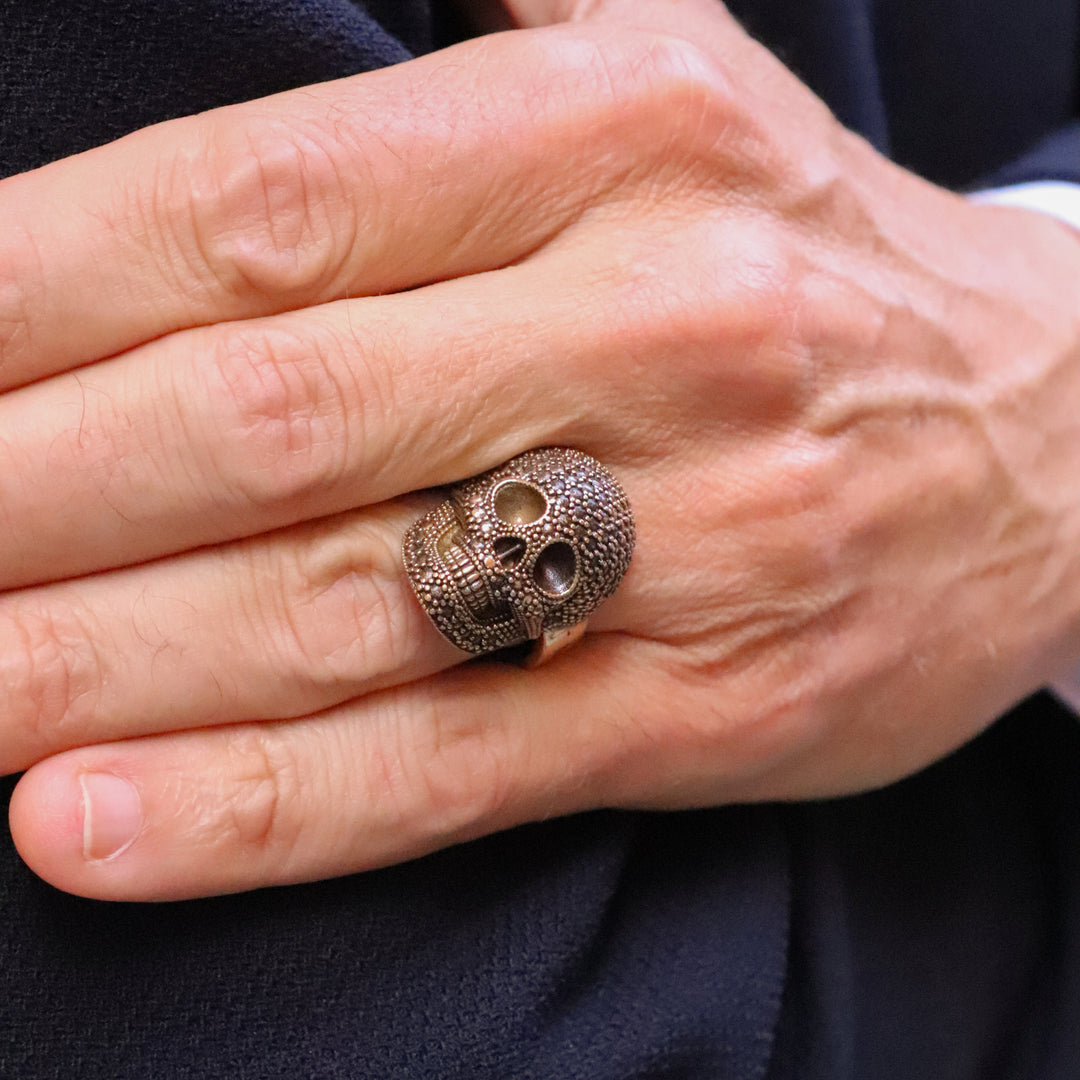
x: 469, y: 582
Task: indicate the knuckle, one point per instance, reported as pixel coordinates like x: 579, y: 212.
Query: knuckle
x: 347, y: 576
x: 673, y: 118
x: 438, y: 777
x: 667, y: 92
x: 261, y: 809
x: 717, y: 290
x: 466, y: 778
x: 15, y: 323
x: 284, y: 422
x: 759, y: 292
x: 386, y: 619
x: 51, y: 679
x: 634, y: 107
x: 269, y: 212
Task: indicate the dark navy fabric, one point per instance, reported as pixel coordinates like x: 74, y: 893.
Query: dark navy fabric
x: 1054, y: 157
x: 76, y: 73
x: 606, y: 946
x: 930, y: 930
x: 953, y: 89
x: 926, y: 931
x: 936, y: 924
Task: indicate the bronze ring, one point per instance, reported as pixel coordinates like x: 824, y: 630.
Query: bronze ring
x: 525, y: 552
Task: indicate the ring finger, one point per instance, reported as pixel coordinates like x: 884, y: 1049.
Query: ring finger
x: 272, y: 627
x: 276, y: 626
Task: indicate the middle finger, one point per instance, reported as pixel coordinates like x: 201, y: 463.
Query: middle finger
x: 225, y: 432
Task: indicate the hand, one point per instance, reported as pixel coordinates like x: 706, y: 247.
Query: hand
x: 238, y: 348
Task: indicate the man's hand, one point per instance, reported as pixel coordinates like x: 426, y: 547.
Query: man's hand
x: 238, y: 347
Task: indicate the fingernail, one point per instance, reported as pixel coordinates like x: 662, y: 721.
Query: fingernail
x: 112, y: 815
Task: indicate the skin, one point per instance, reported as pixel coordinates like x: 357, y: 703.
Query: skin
x: 844, y: 404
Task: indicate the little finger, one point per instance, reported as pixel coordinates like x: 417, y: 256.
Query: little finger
x: 376, y: 781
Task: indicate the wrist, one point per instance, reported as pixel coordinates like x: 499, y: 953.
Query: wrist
x: 1025, y: 335
x: 991, y: 299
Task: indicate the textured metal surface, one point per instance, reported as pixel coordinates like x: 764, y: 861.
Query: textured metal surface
x: 531, y: 547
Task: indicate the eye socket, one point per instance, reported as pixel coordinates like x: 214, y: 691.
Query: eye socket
x: 555, y: 569
x: 509, y: 550
x: 519, y: 504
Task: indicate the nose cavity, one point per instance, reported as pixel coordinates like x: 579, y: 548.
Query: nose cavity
x: 555, y: 569
x: 509, y: 550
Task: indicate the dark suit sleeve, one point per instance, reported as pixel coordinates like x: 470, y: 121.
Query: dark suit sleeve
x: 1056, y: 157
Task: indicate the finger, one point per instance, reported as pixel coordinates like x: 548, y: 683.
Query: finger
x: 280, y: 626
x: 377, y: 781
x: 217, y: 433
x: 298, y: 620
x: 672, y: 14
x: 717, y: 40
x: 220, y: 433
x: 619, y: 721
x: 294, y: 622
x: 448, y: 165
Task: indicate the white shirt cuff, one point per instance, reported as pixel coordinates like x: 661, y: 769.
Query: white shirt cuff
x: 1053, y: 197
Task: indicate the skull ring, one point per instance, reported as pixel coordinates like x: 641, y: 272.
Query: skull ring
x: 525, y: 552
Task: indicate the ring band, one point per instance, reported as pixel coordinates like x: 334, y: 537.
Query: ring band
x: 525, y: 552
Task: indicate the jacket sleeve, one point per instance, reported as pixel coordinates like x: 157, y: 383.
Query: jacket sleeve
x: 1055, y: 157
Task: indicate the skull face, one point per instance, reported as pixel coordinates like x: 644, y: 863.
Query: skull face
x: 532, y: 546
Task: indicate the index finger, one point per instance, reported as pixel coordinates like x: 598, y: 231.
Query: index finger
x: 439, y: 167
